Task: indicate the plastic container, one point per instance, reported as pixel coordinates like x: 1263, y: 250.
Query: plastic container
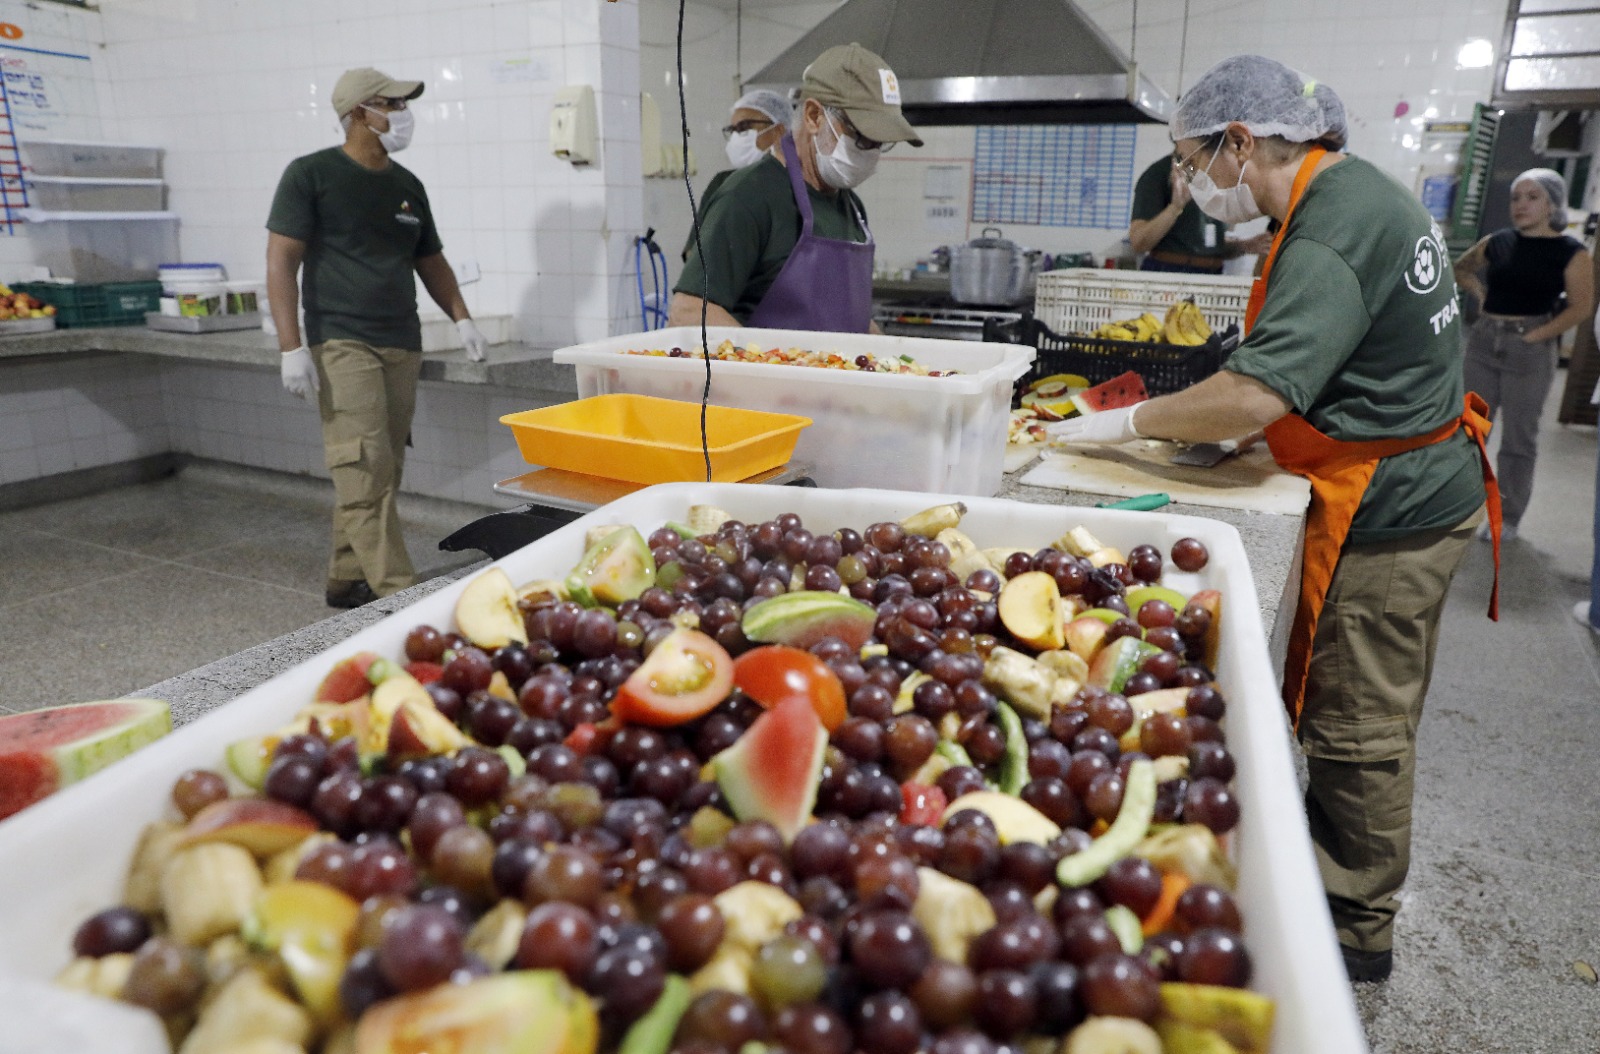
x: 66, y: 857
x: 57, y: 157
x: 87, y: 194
x: 179, y: 273
x: 242, y: 298
x: 198, y: 299
x: 642, y: 439
x: 1081, y: 300
x: 1164, y: 367
x: 94, y: 306
x: 939, y: 434
x: 102, y: 246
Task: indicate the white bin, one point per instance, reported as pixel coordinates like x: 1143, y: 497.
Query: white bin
x: 102, y: 246
x: 66, y: 857
x: 941, y: 434
x: 57, y: 157
x: 91, y: 194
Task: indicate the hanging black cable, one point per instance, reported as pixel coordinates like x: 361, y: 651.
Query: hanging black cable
x: 705, y: 276
x: 1183, y: 46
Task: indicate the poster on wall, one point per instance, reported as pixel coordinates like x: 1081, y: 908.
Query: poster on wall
x: 44, y: 94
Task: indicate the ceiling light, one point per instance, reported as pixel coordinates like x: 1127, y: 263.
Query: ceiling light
x: 1475, y: 54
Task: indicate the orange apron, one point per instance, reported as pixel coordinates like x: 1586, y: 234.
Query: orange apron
x: 1339, y: 472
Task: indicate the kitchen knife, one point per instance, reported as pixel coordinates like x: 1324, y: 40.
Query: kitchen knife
x: 1204, y: 455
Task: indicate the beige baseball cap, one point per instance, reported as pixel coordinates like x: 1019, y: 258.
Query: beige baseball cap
x: 862, y: 85
x: 355, y: 87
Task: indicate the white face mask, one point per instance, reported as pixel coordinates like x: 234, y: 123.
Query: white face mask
x: 846, y: 165
x: 401, y: 125
x: 1234, y: 205
x: 742, y: 149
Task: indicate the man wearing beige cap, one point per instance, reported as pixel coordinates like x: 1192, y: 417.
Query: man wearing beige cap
x: 361, y: 226
x: 785, y: 243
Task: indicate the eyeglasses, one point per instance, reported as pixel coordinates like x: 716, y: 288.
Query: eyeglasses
x: 388, y: 105
x: 861, y: 141
x: 753, y: 125
x: 1184, y: 166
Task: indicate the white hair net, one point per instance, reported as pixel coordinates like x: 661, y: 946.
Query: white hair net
x: 1266, y: 97
x: 1554, y: 186
x: 770, y: 103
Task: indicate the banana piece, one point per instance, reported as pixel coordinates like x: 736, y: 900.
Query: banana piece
x: 1079, y: 542
x: 1180, y: 1038
x: 1241, y: 1017
x: 105, y: 977
x: 248, y: 1009
x: 951, y: 912
x: 705, y: 519
x: 209, y: 890
x: 1112, y: 1035
x: 929, y: 522
x: 495, y: 937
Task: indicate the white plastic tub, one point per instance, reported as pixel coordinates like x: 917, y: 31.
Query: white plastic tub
x: 102, y: 246
x: 940, y: 434
x: 87, y: 194
x: 66, y: 857
x: 58, y: 157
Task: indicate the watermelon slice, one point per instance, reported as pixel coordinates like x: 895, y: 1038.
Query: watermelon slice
x: 802, y: 618
x: 44, y: 750
x: 348, y: 679
x: 773, y: 771
x: 1124, y: 390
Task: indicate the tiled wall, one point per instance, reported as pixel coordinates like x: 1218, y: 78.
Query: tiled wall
x: 86, y: 412
x: 234, y: 89
x: 60, y: 416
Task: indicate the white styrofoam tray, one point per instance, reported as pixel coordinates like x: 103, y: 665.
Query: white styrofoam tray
x: 65, y: 858
x: 941, y: 434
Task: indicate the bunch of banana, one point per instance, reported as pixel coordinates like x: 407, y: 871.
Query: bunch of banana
x: 1185, y: 325
x: 1145, y: 329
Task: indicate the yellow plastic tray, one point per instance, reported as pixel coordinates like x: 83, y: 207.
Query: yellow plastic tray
x: 643, y: 439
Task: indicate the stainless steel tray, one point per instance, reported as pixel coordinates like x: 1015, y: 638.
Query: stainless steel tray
x: 202, y: 324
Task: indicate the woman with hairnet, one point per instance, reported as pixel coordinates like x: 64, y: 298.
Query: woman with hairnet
x: 755, y: 124
x: 1526, y: 270
x: 1352, y: 364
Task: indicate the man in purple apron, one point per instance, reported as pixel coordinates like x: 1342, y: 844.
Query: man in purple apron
x: 785, y: 243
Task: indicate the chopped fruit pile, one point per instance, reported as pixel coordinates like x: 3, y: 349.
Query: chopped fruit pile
x: 728, y: 351
x: 881, y: 791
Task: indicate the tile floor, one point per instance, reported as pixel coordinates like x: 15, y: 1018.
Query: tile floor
x: 106, y: 595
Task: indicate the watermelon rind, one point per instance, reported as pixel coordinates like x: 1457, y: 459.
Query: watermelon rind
x: 125, y: 726
x: 804, y: 617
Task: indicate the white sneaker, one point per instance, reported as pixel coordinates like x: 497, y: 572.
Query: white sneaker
x: 1580, y: 611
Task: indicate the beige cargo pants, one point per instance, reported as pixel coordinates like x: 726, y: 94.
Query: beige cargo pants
x: 366, y: 402
x: 1370, y: 666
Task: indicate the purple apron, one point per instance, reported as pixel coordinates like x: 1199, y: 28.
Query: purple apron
x: 826, y: 284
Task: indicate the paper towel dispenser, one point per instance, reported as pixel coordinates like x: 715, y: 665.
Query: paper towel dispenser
x: 572, y: 124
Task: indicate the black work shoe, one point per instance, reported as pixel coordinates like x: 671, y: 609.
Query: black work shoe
x: 1367, y: 966
x: 350, y: 595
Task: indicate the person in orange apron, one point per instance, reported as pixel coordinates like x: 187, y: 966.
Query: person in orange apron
x: 1352, y: 366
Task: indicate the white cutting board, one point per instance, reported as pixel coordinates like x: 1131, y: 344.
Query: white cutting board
x: 1248, y: 480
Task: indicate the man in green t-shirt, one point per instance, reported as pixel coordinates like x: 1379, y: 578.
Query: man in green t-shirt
x: 1172, y: 232
x: 361, y: 227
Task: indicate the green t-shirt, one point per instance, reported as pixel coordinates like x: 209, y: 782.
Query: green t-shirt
x: 364, y: 232
x: 1361, y: 333
x: 749, y: 229
x: 1189, y: 234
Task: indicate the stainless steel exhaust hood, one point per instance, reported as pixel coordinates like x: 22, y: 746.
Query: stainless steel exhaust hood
x: 986, y: 62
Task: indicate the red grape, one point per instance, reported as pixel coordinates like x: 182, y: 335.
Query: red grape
x: 422, y: 945
x: 1189, y: 554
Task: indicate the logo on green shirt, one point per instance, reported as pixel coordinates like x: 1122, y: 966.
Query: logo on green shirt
x: 1427, y: 264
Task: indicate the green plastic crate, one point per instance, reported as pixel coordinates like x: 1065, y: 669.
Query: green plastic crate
x: 106, y: 304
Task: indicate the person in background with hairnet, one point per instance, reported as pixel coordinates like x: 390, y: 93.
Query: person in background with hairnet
x: 755, y: 124
x: 1352, y: 364
x: 1535, y: 282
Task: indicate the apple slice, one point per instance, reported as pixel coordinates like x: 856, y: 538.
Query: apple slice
x: 418, y: 729
x: 263, y: 826
x: 487, y: 612
x: 1118, y: 661
x: 312, y: 928
x: 1211, y: 601
x: 1085, y: 636
x: 1030, y: 607
x: 520, y: 1012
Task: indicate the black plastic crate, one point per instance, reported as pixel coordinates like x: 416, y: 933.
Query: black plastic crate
x: 1164, y: 367
x: 91, y: 306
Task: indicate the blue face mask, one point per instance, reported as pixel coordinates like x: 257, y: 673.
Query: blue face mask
x: 1234, y: 205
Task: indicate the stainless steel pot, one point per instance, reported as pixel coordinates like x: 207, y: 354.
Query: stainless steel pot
x: 988, y: 270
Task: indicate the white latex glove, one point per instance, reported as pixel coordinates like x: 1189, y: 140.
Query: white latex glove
x: 299, y: 373
x: 1107, y: 426
x: 476, y: 343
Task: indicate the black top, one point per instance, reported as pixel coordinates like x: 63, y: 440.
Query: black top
x: 1526, y: 276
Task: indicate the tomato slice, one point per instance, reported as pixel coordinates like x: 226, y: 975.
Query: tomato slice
x: 775, y: 673
x: 686, y: 676
x: 921, y: 804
